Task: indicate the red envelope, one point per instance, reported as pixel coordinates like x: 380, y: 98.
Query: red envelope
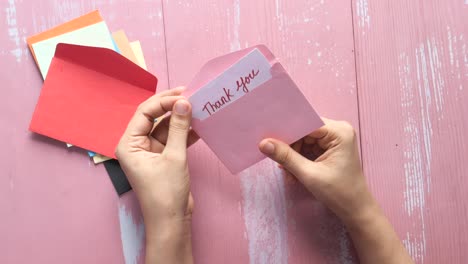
x: 90, y: 89
x: 235, y: 126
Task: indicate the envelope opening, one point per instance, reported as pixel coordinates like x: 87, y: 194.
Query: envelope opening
x: 270, y: 110
x: 215, y: 67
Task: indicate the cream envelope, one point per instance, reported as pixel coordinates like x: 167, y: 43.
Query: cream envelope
x: 272, y: 106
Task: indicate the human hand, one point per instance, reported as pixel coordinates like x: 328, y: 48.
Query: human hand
x: 332, y: 170
x: 155, y: 162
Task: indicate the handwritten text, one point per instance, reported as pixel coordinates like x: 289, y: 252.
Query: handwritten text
x: 242, y: 85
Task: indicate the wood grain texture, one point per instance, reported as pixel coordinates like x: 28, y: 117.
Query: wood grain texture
x: 58, y: 207
x: 412, y: 79
x: 412, y: 64
x: 257, y: 216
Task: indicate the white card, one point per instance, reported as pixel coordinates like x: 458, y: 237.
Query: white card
x: 245, y: 75
x: 96, y: 35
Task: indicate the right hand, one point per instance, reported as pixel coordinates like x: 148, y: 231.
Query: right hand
x: 333, y: 174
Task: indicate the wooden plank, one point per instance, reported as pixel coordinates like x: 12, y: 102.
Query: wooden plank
x: 413, y: 77
x: 57, y: 206
x: 257, y: 216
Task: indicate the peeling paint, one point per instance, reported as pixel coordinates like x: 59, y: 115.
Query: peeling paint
x: 422, y: 103
x: 414, y: 166
x: 64, y: 11
x: 264, y: 211
x: 425, y: 97
x: 450, y: 46
x: 235, y: 43
x: 132, y: 235
x: 279, y: 14
x: 362, y: 8
x: 438, y: 82
x: 13, y: 32
x: 458, y: 55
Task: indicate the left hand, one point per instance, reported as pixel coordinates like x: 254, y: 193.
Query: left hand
x: 155, y: 160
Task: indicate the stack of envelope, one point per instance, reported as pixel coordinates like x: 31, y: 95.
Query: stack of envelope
x: 52, y: 117
x: 94, y: 81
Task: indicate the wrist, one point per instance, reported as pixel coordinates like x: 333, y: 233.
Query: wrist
x: 169, y: 241
x: 167, y: 228
x: 364, y: 216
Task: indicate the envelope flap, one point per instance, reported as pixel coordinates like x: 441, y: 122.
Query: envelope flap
x: 107, y: 62
x: 217, y: 66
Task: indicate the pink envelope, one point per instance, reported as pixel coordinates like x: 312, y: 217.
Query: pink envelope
x: 275, y: 108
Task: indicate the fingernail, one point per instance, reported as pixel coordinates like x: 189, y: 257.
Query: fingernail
x: 181, y: 107
x: 268, y: 148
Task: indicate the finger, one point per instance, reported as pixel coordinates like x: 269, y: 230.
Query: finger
x: 160, y: 132
x: 326, y: 120
x: 172, y: 92
x: 319, y: 133
x: 286, y: 156
x: 156, y: 146
x: 308, y: 140
x: 179, y: 128
x: 325, y: 135
x: 143, y: 119
x: 333, y: 133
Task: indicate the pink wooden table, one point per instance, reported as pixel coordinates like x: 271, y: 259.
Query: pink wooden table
x: 396, y: 69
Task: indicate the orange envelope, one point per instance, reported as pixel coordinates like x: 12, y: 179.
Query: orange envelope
x: 77, y: 23
x: 90, y: 89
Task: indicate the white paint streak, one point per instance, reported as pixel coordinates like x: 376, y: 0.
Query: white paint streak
x: 132, y: 235
x: 465, y: 55
x: 450, y: 46
x: 418, y: 100
x: 279, y: 14
x: 362, y: 8
x: 277, y: 9
x: 264, y: 209
x: 64, y: 11
x: 458, y: 55
x: 13, y: 32
x: 465, y: 62
x: 415, y: 174
x: 438, y: 82
x: 235, y: 43
x: 425, y: 98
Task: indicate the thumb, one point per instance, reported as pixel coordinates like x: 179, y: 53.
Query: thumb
x: 282, y: 153
x: 179, y: 127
